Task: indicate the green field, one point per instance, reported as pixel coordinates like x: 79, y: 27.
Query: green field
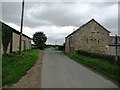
x: 14, y: 66
x: 103, y: 67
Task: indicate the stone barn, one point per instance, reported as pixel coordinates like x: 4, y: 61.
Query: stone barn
x: 10, y: 40
x: 91, y: 37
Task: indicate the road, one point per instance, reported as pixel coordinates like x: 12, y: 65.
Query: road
x: 59, y: 71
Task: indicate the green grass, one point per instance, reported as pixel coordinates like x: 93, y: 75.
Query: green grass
x: 14, y: 66
x: 0, y: 71
x: 105, y: 68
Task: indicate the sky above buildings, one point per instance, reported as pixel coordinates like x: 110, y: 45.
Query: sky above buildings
x: 59, y: 18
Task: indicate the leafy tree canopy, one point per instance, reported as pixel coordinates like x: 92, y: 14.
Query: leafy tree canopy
x: 39, y: 38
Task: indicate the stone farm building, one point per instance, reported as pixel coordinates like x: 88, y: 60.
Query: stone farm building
x: 10, y: 40
x: 91, y: 37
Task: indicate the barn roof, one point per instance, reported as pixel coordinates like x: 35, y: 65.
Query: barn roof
x: 86, y: 24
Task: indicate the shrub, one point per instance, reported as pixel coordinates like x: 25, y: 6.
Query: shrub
x: 60, y: 47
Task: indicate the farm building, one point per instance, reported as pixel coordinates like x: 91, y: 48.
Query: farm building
x: 91, y: 37
x: 112, y: 45
x: 10, y: 40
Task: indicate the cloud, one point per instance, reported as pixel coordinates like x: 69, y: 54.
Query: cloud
x: 62, y: 0
x: 59, y: 14
x: 11, y: 12
x: 53, y: 33
x: 57, y: 19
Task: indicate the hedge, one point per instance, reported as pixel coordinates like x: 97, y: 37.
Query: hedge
x: 109, y: 58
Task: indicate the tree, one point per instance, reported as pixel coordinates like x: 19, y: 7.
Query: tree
x: 39, y: 38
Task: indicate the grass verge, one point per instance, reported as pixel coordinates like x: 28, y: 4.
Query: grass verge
x: 103, y: 67
x: 14, y: 66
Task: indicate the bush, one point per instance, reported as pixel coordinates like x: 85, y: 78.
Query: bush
x: 41, y: 47
x: 60, y: 47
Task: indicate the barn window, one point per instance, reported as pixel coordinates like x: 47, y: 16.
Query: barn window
x: 87, y: 40
x: 93, y: 32
x: 91, y: 39
x: 98, y: 40
x: 97, y: 32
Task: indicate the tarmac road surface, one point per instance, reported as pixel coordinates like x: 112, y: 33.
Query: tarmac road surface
x: 59, y: 71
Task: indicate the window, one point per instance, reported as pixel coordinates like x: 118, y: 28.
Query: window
x: 87, y: 40
x: 93, y: 32
x: 98, y: 40
x: 114, y: 42
x: 118, y: 40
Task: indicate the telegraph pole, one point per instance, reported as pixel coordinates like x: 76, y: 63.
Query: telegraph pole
x: 20, y: 41
x: 116, y: 57
x: 56, y: 44
x: 116, y: 42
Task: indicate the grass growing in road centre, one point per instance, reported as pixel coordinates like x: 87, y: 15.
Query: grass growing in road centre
x: 105, y: 68
x: 14, y: 66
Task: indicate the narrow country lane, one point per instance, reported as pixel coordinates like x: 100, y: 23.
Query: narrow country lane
x: 58, y: 71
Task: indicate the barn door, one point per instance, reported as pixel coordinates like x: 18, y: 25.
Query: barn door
x: 24, y: 45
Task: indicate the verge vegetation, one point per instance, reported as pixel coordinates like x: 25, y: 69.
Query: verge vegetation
x: 14, y: 66
x: 104, y: 67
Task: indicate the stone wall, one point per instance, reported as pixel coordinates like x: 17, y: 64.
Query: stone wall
x: 66, y: 45
x: 112, y: 50
x: 90, y: 37
x: 69, y: 45
x: 26, y: 43
x: 15, y: 42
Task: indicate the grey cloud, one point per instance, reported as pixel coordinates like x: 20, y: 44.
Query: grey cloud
x: 55, y: 41
x: 63, y: 14
x: 35, y: 23
x: 112, y: 22
x: 11, y: 12
x: 60, y: 14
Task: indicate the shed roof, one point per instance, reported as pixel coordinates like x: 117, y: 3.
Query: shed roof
x: 15, y: 31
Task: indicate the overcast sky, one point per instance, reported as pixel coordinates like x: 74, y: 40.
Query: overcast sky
x: 59, y: 19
